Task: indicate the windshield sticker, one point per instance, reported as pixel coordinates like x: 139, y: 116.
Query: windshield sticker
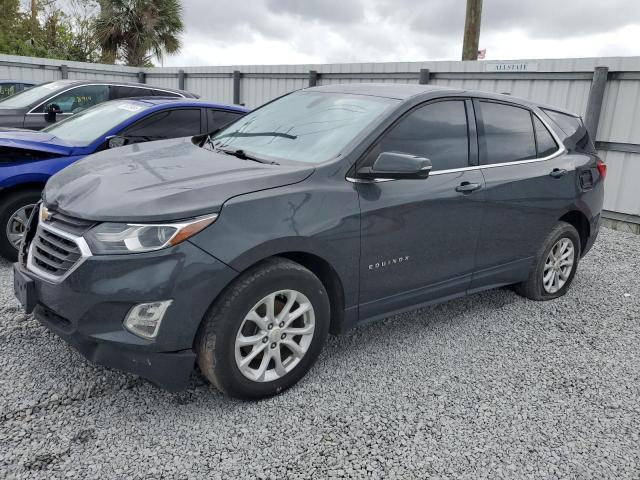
x: 130, y: 107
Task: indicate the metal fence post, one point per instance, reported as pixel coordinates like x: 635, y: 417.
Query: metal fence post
x: 236, y: 87
x: 313, y: 78
x: 594, y: 104
x: 181, y: 79
x: 64, y: 71
x: 142, y: 77
x: 425, y: 76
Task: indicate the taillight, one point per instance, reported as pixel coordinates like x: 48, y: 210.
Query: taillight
x: 602, y: 168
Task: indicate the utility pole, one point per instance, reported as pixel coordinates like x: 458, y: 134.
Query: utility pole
x: 34, y: 17
x: 472, y: 30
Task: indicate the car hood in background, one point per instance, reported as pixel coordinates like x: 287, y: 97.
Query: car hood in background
x: 160, y: 181
x: 32, y: 140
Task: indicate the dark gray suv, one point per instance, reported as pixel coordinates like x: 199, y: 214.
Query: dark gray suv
x: 324, y: 209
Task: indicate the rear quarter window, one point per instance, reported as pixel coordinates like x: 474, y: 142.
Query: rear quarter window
x: 577, y: 136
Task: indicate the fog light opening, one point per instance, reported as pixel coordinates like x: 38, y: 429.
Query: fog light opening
x: 144, y: 319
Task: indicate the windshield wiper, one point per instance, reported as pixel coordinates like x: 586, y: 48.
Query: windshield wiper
x: 257, y: 134
x: 239, y: 153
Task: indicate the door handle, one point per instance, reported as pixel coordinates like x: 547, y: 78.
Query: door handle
x: 466, y: 187
x: 558, y: 172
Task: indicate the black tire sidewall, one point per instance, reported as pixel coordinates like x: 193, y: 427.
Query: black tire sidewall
x: 563, y: 230
x: 7, y: 207
x: 230, y: 317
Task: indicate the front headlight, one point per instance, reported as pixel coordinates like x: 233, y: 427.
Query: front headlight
x: 116, y: 238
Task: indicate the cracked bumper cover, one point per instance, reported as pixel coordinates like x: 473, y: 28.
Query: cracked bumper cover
x: 87, y: 309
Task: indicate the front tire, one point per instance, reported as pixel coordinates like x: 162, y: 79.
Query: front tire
x: 14, y: 214
x: 555, y: 265
x: 265, y: 331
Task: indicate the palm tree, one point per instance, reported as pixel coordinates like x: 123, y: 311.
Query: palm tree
x: 138, y: 30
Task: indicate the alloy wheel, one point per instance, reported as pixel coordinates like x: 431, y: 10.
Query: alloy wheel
x: 274, y: 336
x: 558, y: 265
x: 17, y: 225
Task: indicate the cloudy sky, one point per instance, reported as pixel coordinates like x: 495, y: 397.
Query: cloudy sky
x: 226, y: 32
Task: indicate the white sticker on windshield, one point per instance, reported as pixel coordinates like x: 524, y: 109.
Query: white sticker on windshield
x: 130, y: 107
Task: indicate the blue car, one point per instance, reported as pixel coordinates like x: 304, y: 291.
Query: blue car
x: 28, y: 158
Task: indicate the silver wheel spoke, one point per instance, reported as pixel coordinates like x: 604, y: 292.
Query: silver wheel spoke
x: 306, y: 330
x: 294, y: 347
x: 287, y: 307
x: 301, y: 310
x: 254, y: 353
x: 261, y: 322
x: 252, y: 340
x: 277, y: 360
x: 262, y: 369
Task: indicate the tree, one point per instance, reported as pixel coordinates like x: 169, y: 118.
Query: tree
x: 136, y: 31
x: 45, y: 30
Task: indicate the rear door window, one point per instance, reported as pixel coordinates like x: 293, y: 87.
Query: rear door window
x: 166, y: 124
x: 221, y: 118
x: 437, y: 131
x: 162, y: 93
x: 568, y: 123
x: 508, y: 133
x: 130, y: 92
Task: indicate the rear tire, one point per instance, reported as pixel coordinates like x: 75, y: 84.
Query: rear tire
x: 14, y: 211
x: 249, y: 351
x: 554, y: 266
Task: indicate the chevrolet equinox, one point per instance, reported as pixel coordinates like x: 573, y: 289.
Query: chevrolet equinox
x: 324, y: 209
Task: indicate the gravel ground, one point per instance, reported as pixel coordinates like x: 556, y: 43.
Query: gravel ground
x: 490, y: 386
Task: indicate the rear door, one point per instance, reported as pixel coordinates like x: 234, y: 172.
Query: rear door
x: 529, y: 181
x: 418, y: 237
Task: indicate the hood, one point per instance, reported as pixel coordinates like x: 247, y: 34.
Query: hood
x: 32, y: 140
x: 160, y: 181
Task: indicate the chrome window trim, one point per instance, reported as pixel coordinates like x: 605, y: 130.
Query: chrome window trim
x: 561, y: 150
x: 85, y: 253
x: 31, y: 112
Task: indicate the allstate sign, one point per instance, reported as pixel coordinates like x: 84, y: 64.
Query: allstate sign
x: 511, y: 67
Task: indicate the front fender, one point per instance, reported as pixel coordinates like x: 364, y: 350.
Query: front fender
x: 301, y: 218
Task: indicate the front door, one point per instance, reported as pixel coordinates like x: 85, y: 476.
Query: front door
x: 418, y: 237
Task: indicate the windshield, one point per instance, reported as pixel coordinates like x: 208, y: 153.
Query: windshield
x: 84, y: 128
x: 27, y: 97
x: 305, y: 126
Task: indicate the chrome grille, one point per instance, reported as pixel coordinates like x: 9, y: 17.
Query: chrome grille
x: 53, y: 253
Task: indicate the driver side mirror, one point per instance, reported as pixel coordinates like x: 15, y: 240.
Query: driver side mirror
x: 397, y: 166
x: 51, y: 111
x: 116, y: 141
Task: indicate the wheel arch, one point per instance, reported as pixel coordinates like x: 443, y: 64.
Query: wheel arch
x: 580, y: 222
x: 314, y: 261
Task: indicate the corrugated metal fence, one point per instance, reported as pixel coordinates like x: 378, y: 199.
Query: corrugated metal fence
x: 565, y: 83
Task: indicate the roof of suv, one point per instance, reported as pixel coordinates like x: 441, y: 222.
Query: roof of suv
x: 404, y: 91
x: 70, y: 83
